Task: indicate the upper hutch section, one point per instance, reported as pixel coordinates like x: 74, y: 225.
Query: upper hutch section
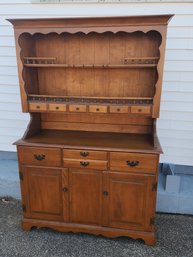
x: 115, y: 62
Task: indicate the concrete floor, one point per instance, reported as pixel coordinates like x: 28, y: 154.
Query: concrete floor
x: 174, y: 234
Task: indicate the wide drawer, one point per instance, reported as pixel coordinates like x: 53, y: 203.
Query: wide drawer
x: 85, y: 164
x: 133, y: 162
x: 39, y: 156
x: 84, y: 154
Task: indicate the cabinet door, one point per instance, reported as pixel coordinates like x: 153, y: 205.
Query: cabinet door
x: 43, y: 187
x: 85, y: 196
x: 128, y: 201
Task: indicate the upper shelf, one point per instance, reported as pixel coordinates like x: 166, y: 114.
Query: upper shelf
x: 139, y: 62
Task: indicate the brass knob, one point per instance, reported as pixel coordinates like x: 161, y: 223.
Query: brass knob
x: 105, y: 193
x: 65, y: 189
x: 57, y: 107
x: 77, y: 108
x: 37, y: 106
x: 97, y: 109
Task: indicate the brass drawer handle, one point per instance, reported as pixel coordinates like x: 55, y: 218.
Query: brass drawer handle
x: 39, y: 157
x: 84, y: 154
x: 84, y: 164
x: 132, y: 163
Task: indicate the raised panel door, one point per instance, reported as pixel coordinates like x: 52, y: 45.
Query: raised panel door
x: 129, y: 201
x: 85, y: 196
x: 44, y: 192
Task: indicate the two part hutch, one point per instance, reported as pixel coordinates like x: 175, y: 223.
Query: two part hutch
x: 88, y: 160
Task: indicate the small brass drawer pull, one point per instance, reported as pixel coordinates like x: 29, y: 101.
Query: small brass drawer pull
x: 84, y: 164
x: 39, y: 157
x: 84, y: 154
x: 132, y: 163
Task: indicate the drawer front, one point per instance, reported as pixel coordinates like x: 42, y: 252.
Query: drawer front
x: 98, y: 108
x: 118, y: 109
x: 37, y: 107
x: 77, y: 108
x: 84, y: 154
x: 85, y: 164
x: 57, y: 107
x: 141, y: 109
x: 39, y: 156
x: 133, y: 162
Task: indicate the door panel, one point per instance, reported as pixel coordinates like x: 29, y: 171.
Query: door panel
x: 85, y: 196
x: 44, y: 186
x: 130, y: 201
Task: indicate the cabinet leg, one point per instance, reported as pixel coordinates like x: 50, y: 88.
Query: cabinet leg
x: 150, y: 240
x: 26, y: 226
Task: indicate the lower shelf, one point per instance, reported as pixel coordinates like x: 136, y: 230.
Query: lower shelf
x: 148, y: 237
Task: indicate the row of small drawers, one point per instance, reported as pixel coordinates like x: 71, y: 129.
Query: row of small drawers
x: 99, y: 160
x: 58, y: 107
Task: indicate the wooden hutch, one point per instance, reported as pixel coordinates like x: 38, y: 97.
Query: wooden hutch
x: 88, y: 161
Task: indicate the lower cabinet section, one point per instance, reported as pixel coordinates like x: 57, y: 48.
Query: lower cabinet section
x: 115, y: 200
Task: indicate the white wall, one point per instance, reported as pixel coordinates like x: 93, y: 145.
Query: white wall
x: 175, y: 126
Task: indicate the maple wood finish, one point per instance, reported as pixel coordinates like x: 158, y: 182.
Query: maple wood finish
x: 89, y: 158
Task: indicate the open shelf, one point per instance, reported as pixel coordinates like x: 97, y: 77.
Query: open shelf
x: 43, y: 62
x: 101, y: 140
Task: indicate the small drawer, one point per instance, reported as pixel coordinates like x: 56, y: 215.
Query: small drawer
x: 80, y: 154
x: 85, y: 164
x: 37, y: 107
x: 98, y: 108
x: 118, y: 109
x: 39, y: 156
x: 134, y: 162
x: 57, y: 107
x: 141, y: 109
x: 77, y: 108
